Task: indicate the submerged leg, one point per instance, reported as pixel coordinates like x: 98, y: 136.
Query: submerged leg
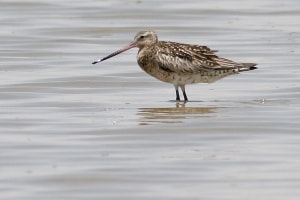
x: 183, y: 92
x: 177, y: 93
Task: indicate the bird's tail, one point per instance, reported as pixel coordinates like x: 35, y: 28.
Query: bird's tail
x: 246, y: 67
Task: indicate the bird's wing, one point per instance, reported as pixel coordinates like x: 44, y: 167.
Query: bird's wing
x: 177, y: 57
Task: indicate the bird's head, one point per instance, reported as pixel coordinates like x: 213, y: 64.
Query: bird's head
x: 141, y: 39
x: 145, y: 38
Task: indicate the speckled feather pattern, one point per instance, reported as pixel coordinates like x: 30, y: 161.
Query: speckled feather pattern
x: 182, y: 64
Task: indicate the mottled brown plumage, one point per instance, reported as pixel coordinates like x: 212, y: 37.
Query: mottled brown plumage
x: 180, y: 64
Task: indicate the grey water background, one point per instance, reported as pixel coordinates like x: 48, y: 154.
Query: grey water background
x: 72, y: 130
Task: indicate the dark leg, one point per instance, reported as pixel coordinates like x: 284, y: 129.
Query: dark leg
x: 177, y: 93
x: 185, y: 97
x: 183, y: 92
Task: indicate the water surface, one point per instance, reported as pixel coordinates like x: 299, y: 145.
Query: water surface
x: 72, y: 130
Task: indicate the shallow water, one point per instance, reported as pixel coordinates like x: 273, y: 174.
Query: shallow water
x: 72, y: 130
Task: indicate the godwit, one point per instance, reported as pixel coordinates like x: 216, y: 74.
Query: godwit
x: 180, y: 64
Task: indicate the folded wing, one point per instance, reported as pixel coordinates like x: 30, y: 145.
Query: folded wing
x: 176, y: 57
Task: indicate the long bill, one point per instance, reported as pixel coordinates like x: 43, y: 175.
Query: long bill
x: 130, y: 46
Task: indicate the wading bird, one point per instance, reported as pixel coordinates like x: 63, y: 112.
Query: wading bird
x: 180, y: 64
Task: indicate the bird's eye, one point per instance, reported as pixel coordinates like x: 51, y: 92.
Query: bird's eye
x: 142, y: 36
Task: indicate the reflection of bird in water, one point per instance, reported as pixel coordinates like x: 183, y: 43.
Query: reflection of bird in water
x: 180, y: 64
x: 172, y: 114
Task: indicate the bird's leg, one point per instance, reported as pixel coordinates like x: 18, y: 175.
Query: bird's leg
x: 183, y: 92
x: 177, y: 93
